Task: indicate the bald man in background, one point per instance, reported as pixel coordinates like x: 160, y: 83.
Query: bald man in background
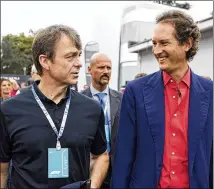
x: 100, y: 69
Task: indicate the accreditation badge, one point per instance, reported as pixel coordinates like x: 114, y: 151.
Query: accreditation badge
x: 58, y: 163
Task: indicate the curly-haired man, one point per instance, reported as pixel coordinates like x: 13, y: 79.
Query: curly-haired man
x: 165, y: 134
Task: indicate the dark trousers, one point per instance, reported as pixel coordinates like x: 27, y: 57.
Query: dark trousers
x: 105, y: 185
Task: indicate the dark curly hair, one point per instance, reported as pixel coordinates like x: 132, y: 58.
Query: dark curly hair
x: 185, y: 28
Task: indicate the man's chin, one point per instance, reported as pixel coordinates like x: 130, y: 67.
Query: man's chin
x: 104, y: 83
x: 163, y: 67
x: 72, y: 82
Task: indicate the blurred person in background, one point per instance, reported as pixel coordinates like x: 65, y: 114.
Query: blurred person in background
x: 23, y: 85
x: 15, y: 87
x: 5, y: 89
x: 34, y: 73
x: 140, y: 75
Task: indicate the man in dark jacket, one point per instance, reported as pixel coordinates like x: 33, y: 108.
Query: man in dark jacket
x: 165, y: 134
x: 100, y: 70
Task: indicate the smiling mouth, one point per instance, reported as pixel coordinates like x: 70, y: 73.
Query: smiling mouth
x: 6, y: 92
x: 75, y: 75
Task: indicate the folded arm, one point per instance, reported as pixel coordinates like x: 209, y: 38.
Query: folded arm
x: 4, y: 169
x: 99, y: 157
x: 99, y: 169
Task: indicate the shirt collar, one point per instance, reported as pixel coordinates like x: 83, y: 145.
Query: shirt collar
x: 95, y: 91
x: 185, y: 79
x: 42, y: 97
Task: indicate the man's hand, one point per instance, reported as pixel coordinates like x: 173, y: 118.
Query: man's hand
x: 99, y: 168
x: 4, y: 169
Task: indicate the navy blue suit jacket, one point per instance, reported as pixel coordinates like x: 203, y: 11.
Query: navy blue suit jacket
x: 140, y: 140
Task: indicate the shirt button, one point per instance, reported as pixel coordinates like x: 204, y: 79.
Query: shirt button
x: 175, y: 115
x: 57, y: 121
x: 173, y: 134
x: 173, y: 97
x: 173, y: 153
x: 173, y: 172
x: 171, y: 80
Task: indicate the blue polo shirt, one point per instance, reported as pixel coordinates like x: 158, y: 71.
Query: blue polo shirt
x: 26, y: 135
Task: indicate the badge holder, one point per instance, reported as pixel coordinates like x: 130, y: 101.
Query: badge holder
x: 58, y: 163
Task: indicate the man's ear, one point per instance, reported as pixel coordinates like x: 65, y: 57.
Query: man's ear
x: 188, y: 44
x: 89, y: 69
x: 43, y: 59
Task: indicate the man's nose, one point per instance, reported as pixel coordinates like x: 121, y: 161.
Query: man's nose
x: 78, y: 63
x: 157, y: 50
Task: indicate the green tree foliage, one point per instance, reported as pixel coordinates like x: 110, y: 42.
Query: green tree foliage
x: 174, y: 4
x: 16, y: 54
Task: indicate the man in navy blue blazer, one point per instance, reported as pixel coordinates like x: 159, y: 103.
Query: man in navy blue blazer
x: 165, y: 134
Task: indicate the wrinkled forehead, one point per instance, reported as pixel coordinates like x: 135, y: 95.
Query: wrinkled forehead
x: 103, y: 59
x: 66, y: 45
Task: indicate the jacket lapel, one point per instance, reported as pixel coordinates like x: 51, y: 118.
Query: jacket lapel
x: 198, y: 109
x: 154, y: 104
x: 87, y: 92
x: 114, y: 103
